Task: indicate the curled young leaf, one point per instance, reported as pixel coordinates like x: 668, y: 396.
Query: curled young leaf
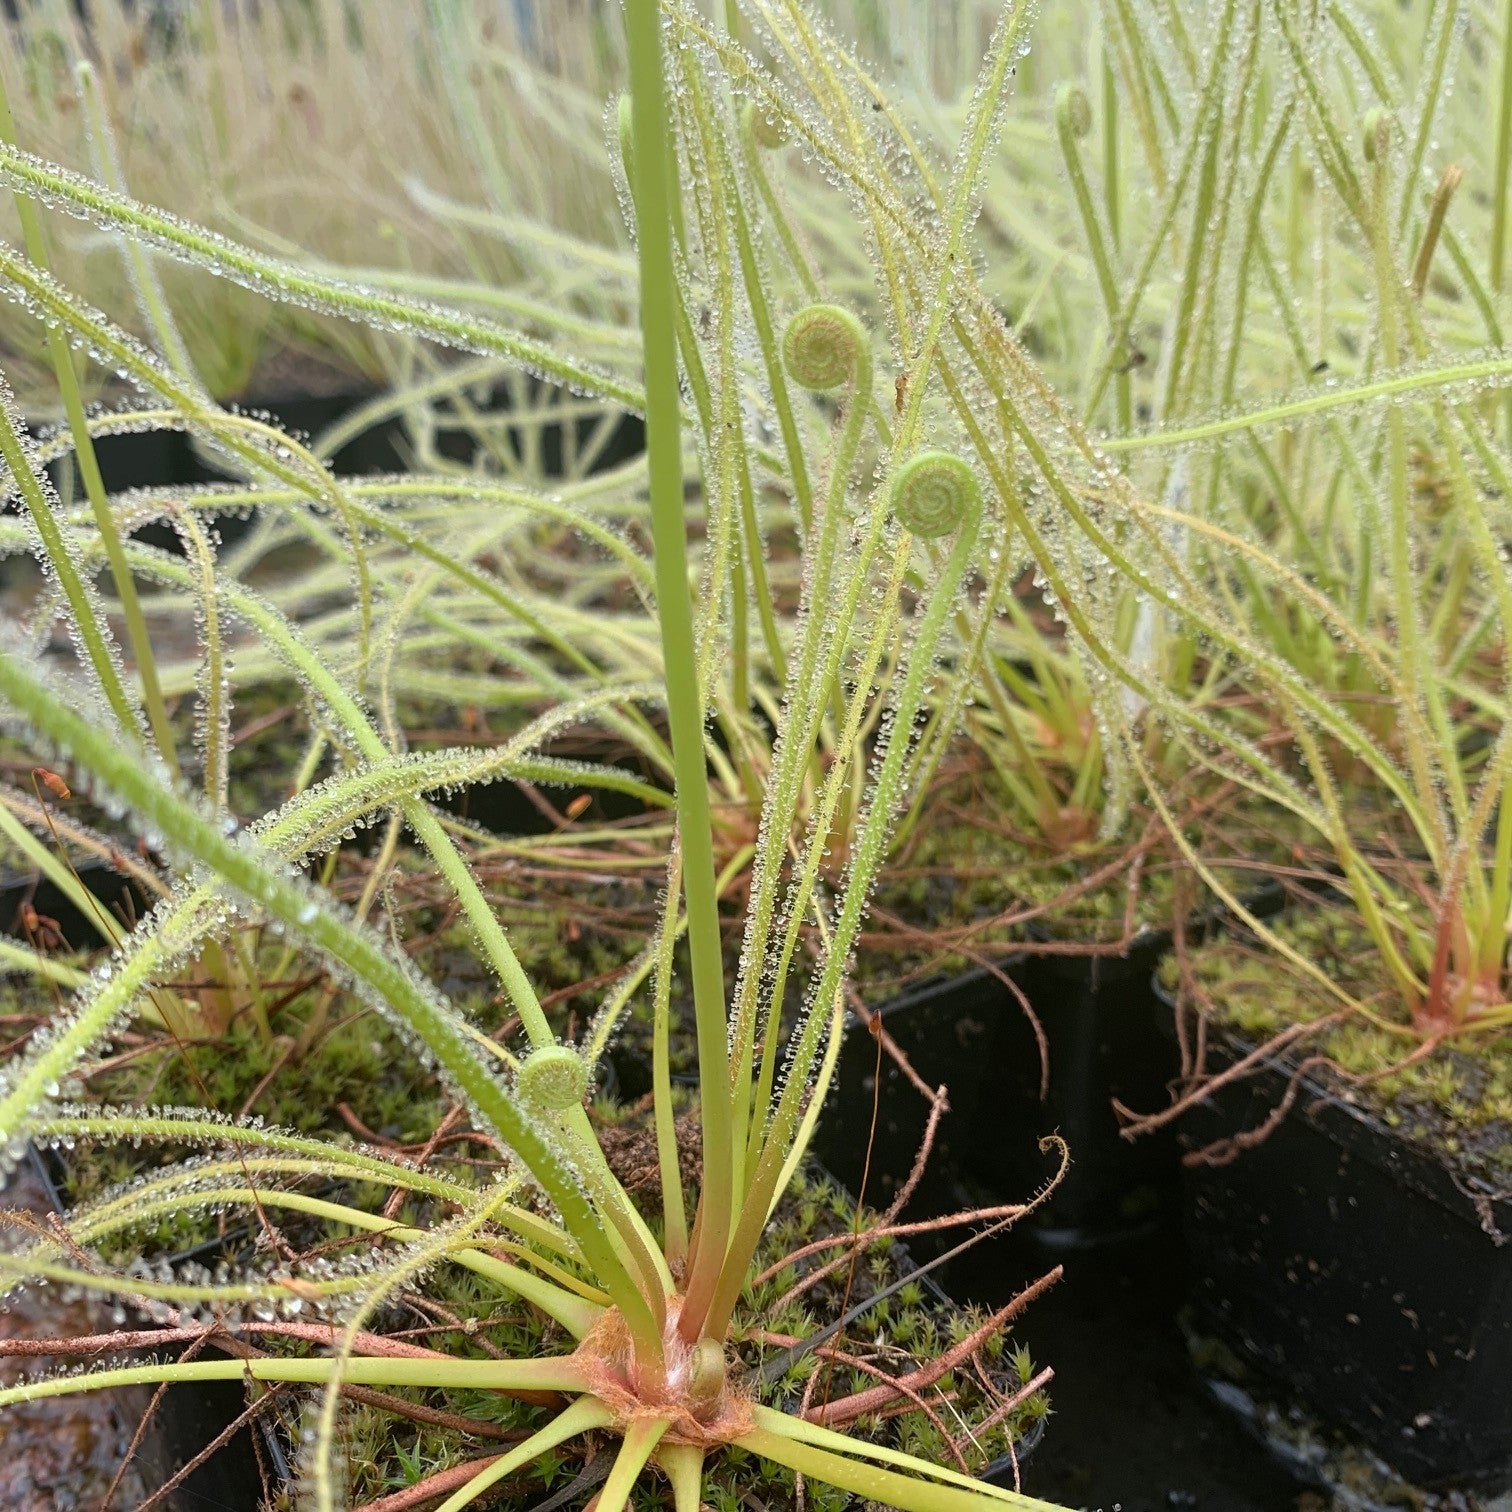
x: 554, y: 1077
x: 932, y: 492
x: 823, y: 346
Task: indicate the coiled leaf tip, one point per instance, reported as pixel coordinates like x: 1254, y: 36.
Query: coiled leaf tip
x: 932, y: 492
x: 823, y: 346
x: 554, y: 1078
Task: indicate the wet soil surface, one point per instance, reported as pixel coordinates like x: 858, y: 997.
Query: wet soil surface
x: 63, y: 1455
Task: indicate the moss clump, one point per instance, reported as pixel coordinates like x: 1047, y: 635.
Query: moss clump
x: 1457, y: 1099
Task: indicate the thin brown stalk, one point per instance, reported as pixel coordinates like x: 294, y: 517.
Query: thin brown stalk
x: 871, y: 1235
x: 1224, y: 1152
x: 220, y: 1440
x: 433, y: 1487
x: 848, y: 1409
x: 1027, y: 1390
x: 1136, y: 1124
x: 428, y: 1149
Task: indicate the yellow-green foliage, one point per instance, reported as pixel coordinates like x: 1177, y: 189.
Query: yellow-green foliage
x: 313, y: 127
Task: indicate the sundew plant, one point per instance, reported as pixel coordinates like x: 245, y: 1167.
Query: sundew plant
x: 891, y: 549
x: 1334, y: 547
x: 1259, y: 250
x: 1269, y: 287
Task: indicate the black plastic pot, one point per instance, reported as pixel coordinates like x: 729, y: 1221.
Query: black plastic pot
x: 1101, y: 1024
x: 1107, y: 1037
x: 164, y: 458
x: 187, y: 1422
x: 1109, y: 1040
x: 56, y: 910
x: 169, y: 458
x: 950, y: 1029
x: 1359, y: 1272
x: 971, y: 1033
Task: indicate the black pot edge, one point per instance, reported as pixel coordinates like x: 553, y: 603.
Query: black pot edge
x: 1413, y: 1168
x: 1318, y: 1471
x: 1147, y: 944
x: 303, y: 412
x: 944, y: 983
x: 96, y: 876
x: 189, y: 1497
x: 1063, y: 990
x: 1358, y: 1128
